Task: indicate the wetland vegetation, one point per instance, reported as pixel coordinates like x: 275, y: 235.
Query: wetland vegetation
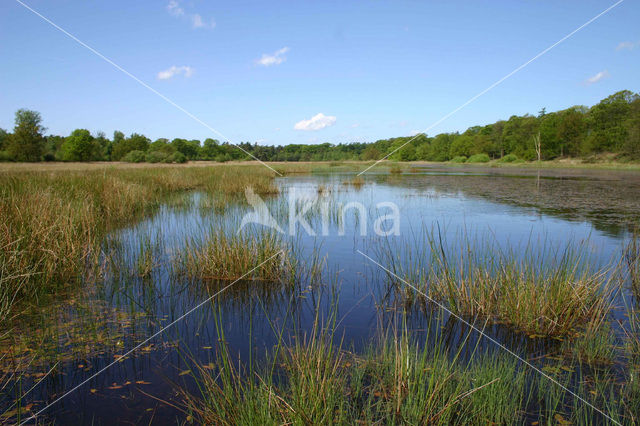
x: 95, y: 260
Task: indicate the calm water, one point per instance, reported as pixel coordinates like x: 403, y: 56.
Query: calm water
x: 504, y: 208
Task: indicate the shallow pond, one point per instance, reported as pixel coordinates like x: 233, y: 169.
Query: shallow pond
x: 139, y: 292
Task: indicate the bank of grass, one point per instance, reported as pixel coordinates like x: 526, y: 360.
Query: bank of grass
x: 549, y: 292
x: 401, y: 379
x: 51, y: 223
x: 313, y: 380
x: 230, y: 257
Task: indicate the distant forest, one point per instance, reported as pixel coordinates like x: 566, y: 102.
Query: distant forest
x: 610, y: 127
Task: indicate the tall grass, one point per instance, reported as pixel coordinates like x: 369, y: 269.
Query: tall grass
x: 314, y: 380
x: 549, y: 292
x: 230, y: 257
x: 51, y: 223
x: 632, y: 260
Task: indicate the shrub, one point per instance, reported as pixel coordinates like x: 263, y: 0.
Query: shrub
x: 479, y: 158
x: 459, y: 159
x: 178, y: 157
x: 5, y: 156
x: 134, y: 157
x: 509, y: 158
x: 156, y: 157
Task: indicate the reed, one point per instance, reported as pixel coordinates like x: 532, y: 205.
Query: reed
x: 632, y: 261
x: 51, y: 223
x: 229, y: 257
x: 551, y: 292
x: 397, y: 380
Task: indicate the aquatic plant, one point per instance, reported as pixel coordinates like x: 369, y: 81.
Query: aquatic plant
x: 229, y: 257
x: 395, y: 169
x: 51, y: 223
x: 356, y: 182
x: 548, y: 293
x: 396, y: 380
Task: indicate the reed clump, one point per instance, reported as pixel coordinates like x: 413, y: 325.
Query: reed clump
x: 357, y: 182
x: 550, y: 293
x: 551, y: 302
x: 395, y: 169
x: 230, y: 257
x: 396, y: 381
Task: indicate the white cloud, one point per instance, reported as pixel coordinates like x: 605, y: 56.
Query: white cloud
x: 354, y: 125
x: 596, y: 78
x: 173, y: 71
x: 174, y: 8
x: 275, y: 59
x: 628, y: 45
x: 198, y: 22
x: 317, y: 122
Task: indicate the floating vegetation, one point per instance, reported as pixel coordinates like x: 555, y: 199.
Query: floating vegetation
x: 78, y: 329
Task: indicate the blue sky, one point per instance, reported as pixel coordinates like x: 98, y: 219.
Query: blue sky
x: 307, y: 72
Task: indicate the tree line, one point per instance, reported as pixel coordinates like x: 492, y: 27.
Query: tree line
x: 610, y: 126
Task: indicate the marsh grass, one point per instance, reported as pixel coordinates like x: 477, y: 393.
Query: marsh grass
x: 223, y: 256
x: 550, y: 292
x: 51, y: 223
x: 593, y: 346
x: 356, y: 182
x: 632, y: 260
x: 395, y: 169
x: 319, y: 383
x: 314, y: 380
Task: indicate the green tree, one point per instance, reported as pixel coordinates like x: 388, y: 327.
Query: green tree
x: 27, y: 142
x: 462, y: 145
x: 162, y: 145
x: 606, y: 122
x: 549, y: 135
x: 371, y: 153
x: 4, y: 137
x: 210, y: 149
x: 80, y: 146
x: 572, y: 130
x: 440, y: 147
x: 122, y: 147
x: 631, y: 146
x: 518, y: 136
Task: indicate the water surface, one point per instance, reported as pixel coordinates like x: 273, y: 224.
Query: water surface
x: 506, y: 209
